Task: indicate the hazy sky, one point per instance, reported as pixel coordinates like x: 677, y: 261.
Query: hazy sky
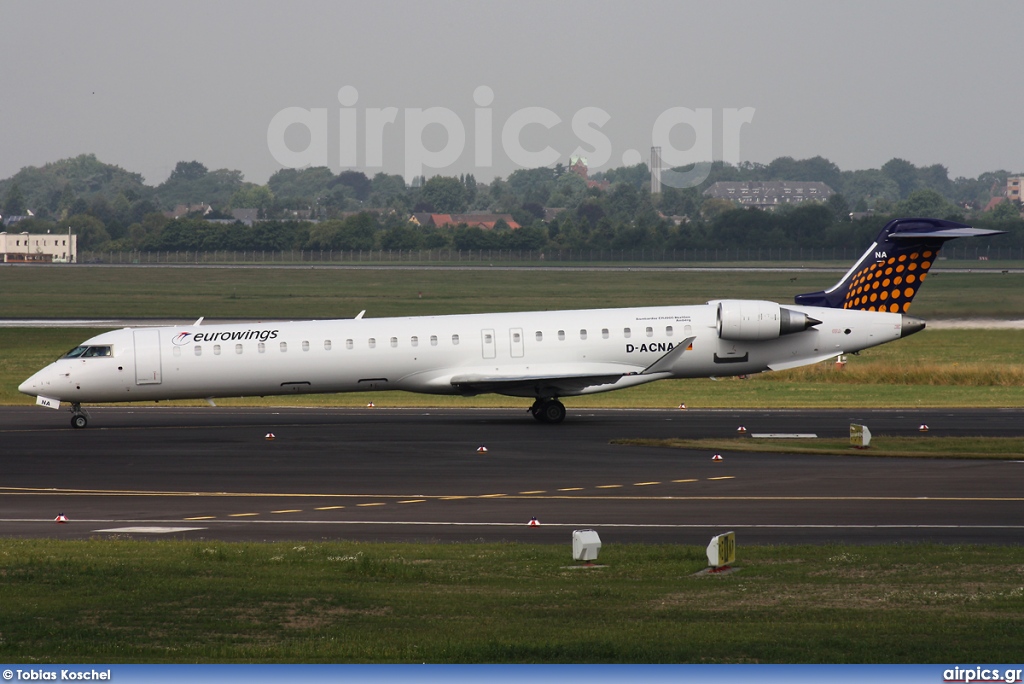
x: 144, y: 85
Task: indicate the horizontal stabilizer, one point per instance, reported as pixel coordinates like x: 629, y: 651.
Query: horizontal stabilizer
x: 947, y: 234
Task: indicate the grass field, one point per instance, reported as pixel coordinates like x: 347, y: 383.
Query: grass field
x: 934, y: 368
x: 299, y: 293
x: 115, y: 601
x: 989, y: 448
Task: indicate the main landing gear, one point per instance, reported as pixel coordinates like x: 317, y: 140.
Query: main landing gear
x: 79, y: 418
x: 548, y: 410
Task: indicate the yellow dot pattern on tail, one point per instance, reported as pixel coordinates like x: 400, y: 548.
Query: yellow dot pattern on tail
x: 889, y: 284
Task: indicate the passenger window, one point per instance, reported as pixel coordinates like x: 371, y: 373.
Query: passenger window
x: 394, y: 342
x: 583, y: 334
x: 284, y: 346
x: 540, y: 336
x: 199, y: 350
x: 261, y: 347
x: 433, y: 340
x: 650, y: 332
x: 415, y: 341
x: 561, y: 335
x: 604, y: 333
x: 327, y: 345
x: 238, y: 349
x: 455, y: 339
x: 668, y: 330
x: 305, y: 345
x: 373, y: 343
x: 627, y: 333
x: 216, y: 350
x: 349, y: 344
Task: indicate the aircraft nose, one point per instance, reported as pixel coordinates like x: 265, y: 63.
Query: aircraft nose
x: 33, y: 385
x: 28, y: 387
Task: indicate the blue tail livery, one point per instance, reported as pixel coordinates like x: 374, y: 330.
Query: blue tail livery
x: 887, y: 277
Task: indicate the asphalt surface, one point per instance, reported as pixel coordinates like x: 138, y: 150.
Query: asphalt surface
x: 417, y: 475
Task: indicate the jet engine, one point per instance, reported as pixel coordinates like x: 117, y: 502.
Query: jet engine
x: 744, y: 320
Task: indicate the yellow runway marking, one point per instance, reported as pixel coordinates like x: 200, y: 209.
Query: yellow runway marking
x: 645, y: 484
x: 413, y: 501
x: 725, y: 477
x: 328, y: 508
x: 492, y: 496
x: 539, y: 491
x: 379, y: 503
x: 203, y: 517
x: 289, y: 510
x: 694, y: 480
x: 192, y: 495
x: 242, y: 515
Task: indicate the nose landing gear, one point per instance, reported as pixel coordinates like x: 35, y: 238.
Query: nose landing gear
x: 548, y: 410
x: 79, y: 417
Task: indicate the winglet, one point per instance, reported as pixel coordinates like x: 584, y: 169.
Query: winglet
x: 666, y: 363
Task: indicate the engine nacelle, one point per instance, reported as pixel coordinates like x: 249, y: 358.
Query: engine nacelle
x: 748, y: 320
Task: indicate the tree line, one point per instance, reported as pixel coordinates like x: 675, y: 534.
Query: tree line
x: 112, y: 209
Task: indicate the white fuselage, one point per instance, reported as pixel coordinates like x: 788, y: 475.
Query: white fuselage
x: 580, y: 351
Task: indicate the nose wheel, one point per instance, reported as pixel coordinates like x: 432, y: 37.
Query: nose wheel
x: 548, y: 411
x: 79, y: 418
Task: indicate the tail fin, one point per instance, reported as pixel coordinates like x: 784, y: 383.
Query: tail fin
x: 887, y: 277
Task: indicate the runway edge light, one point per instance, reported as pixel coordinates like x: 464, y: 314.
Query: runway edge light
x: 860, y: 436
x: 722, y: 551
x: 586, y: 544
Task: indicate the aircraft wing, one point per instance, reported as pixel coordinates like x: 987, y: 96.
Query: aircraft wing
x: 566, y: 384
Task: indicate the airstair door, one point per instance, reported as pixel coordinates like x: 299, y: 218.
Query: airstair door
x: 147, y: 357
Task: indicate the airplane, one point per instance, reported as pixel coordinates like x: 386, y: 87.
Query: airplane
x: 543, y: 355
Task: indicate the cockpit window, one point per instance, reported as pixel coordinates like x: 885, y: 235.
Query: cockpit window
x: 88, y: 352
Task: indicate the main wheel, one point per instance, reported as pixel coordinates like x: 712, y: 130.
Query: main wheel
x: 78, y: 421
x: 552, y: 411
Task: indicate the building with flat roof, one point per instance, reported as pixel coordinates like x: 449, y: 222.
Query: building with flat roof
x: 1013, y: 187
x: 29, y: 248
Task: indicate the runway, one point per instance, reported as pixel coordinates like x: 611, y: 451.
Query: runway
x: 417, y: 475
